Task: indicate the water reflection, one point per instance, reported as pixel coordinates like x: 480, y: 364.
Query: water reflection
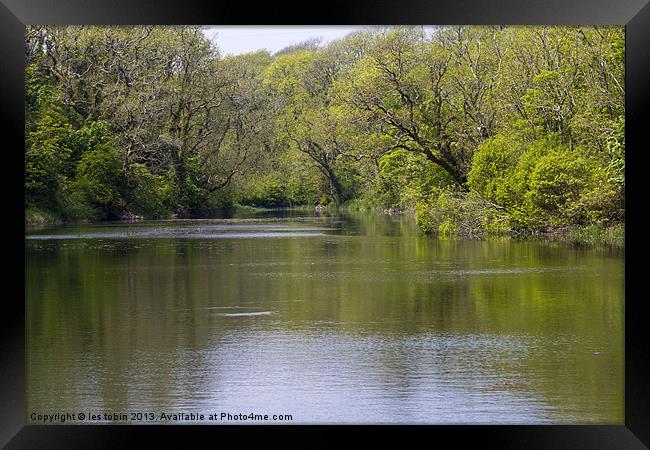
x: 362, y: 321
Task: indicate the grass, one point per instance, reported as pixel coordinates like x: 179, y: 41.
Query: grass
x: 599, y: 235
x: 36, y: 216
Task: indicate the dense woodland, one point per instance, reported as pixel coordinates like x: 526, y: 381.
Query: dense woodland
x: 473, y: 129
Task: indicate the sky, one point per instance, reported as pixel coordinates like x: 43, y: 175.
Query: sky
x: 235, y: 40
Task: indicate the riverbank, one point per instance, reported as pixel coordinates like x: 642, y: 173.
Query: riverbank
x: 597, y: 235
x: 35, y: 216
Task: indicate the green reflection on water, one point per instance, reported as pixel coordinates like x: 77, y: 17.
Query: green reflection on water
x: 365, y: 322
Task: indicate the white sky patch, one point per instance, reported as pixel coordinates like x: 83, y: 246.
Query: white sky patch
x: 235, y: 40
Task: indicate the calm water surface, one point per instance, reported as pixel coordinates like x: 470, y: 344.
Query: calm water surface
x: 332, y: 319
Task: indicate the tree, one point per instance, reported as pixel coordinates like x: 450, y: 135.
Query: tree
x: 417, y: 87
x: 300, y: 82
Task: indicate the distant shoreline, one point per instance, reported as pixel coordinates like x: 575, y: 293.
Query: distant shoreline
x: 613, y: 235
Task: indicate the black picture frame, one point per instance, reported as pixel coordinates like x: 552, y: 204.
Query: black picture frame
x: 15, y: 14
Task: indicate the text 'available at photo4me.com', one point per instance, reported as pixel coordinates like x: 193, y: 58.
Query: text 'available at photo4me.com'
x: 157, y: 417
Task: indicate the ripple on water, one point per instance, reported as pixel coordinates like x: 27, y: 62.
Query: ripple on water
x: 247, y: 314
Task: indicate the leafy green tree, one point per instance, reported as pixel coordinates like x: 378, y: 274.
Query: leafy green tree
x: 300, y: 82
x: 417, y: 88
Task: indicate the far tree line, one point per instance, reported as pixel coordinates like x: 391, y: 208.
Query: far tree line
x: 472, y: 128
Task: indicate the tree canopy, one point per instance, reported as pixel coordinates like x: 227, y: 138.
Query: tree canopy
x: 473, y: 128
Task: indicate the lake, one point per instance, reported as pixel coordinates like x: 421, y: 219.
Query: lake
x: 344, y: 318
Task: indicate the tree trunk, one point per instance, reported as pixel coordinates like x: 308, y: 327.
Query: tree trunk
x: 335, y: 184
x: 459, y: 176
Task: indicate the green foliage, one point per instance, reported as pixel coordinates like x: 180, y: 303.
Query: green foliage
x: 36, y: 216
x: 194, y: 191
x: 302, y: 190
x: 223, y: 200
x: 75, y: 206
x: 145, y: 193
x: 281, y: 189
x: 41, y: 182
x: 543, y: 182
x: 455, y: 213
x: 48, y: 156
x: 406, y: 178
x: 268, y: 192
x: 66, y: 168
x: 597, y: 234
x: 359, y: 204
x: 555, y: 186
x: 493, y: 169
x: 100, y: 182
x: 479, y: 129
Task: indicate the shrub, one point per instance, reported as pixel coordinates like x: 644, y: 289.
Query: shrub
x: 99, y: 182
x: 544, y: 183
x: 406, y: 178
x: 556, y: 184
x: 146, y: 192
x: 36, y: 216
x: 76, y: 206
x: 267, y: 192
x: 459, y: 213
